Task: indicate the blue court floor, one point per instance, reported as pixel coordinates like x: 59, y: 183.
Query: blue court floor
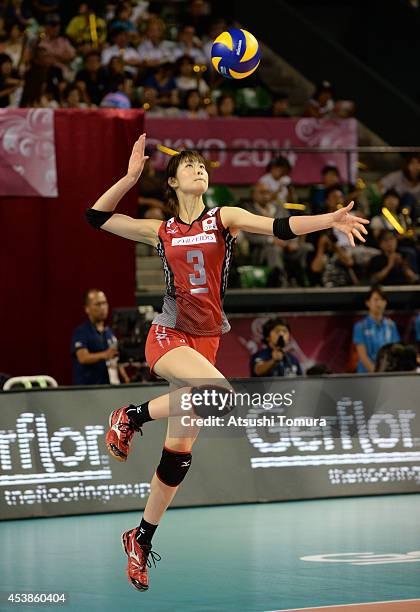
x: 245, y: 558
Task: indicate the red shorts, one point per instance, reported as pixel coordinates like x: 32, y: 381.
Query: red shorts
x: 161, y: 339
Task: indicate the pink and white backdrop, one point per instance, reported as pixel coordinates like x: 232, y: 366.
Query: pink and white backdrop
x: 27, y: 153
x: 254, y: 138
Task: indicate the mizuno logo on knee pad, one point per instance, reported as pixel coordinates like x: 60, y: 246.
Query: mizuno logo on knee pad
x: 173, y: 467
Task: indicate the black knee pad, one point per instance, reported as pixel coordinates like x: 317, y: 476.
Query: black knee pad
x: 213, y: 394
x: 173, y: 467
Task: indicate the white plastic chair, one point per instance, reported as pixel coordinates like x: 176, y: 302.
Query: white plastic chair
x: 43, y: 381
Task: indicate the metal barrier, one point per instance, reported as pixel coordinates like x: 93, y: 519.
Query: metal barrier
x: 42, y: 381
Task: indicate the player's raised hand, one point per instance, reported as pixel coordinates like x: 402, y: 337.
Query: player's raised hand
x: 137, y: 159
x: 350, y: 224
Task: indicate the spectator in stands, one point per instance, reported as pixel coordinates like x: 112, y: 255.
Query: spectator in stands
x: 391, y: 201
x: 330, y: 177
x: 216, y: 28
x: 140, y: 11
x: 163, y: 81
x: 43, y: 82
x: 15, y: 47
x: 18, y: 12
x: 189, y: 44
x: 121, y: 48
x: 79, y: 29
x: 226, y: 106
x: 151, y: 198
x: 94, y: 77
x: 407, y: 183
x: 10, y: 83
x: 94, y: 346
x: 417, y: 337
x: 115, y: 70
x: 265, y: 250
x: 277, y: 179
x: 391, y: 267
x: 44, y: 8
x: 72, y: 97
x: 275, y: 360
x: 198, y: 15
x: 331, y: 265
x: 122, y: 19
x: 193, y: 105
x: 154, y: 49
x: 407, y: 241
x: 374, y: 331
x: 322, y: 104
x: 120, y: 94
x: 59, y: 47
x: 186, y: 79
x: 149, y: 101
x: 396, y: 358
x: 280, y: 106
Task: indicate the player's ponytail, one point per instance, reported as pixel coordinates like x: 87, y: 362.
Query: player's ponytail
x: 172, y: 203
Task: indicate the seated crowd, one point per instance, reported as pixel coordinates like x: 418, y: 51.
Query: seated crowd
x: 390, y: 256
x: 132, y: 54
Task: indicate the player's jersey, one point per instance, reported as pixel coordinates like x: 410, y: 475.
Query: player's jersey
x: 196, y: 261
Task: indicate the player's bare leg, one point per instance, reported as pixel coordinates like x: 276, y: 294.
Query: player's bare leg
x: 176, y: 456
x: 125, y: 421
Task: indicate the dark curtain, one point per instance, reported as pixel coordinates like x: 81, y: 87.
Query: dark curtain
x: 48, y: 254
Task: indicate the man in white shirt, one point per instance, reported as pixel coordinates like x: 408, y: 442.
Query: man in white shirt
x: 278, y: 181
x: 189, y: 45
x: 120, y: 48
x: 154, y: 50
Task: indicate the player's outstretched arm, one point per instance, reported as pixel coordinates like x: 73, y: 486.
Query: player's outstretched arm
x: 239, y: 219
x: 101, y: 215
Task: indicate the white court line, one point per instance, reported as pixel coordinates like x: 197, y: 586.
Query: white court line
x: 369, y: 603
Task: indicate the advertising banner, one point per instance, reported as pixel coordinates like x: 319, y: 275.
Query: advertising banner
x: 290, y: 439
x: 253, y: 138
x: 27, y: 153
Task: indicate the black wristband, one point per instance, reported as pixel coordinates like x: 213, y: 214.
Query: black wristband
x: 96, y: 218
x: 281, y: 229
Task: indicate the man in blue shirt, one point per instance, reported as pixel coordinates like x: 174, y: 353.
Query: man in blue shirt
x: 94, y: 346
x: 374, y: 331
x: 275, y: 360
x: 417, y: 324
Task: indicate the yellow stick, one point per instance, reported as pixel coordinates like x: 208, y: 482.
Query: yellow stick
x: 93, y: 29
x: 294, y: 206
x: 393, y: 221
x: 169, y: 151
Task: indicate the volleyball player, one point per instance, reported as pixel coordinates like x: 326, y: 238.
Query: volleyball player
x: 195, y: 246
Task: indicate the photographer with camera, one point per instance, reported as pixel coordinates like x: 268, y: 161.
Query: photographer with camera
x: 275, y: 360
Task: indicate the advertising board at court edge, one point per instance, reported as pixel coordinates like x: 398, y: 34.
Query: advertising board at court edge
x: 353, y: 444
x: 38, y: 465
x: 43, y: 465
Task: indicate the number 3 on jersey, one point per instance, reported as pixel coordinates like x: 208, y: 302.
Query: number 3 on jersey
x: 199, y: 278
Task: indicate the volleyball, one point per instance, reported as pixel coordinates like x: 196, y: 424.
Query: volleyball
x: 235, y: 54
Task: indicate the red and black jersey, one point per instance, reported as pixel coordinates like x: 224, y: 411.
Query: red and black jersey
x: 196, y: 261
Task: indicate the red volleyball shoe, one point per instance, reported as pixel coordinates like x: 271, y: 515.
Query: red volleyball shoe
x: 120, y: 433
x: 139, y: 556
